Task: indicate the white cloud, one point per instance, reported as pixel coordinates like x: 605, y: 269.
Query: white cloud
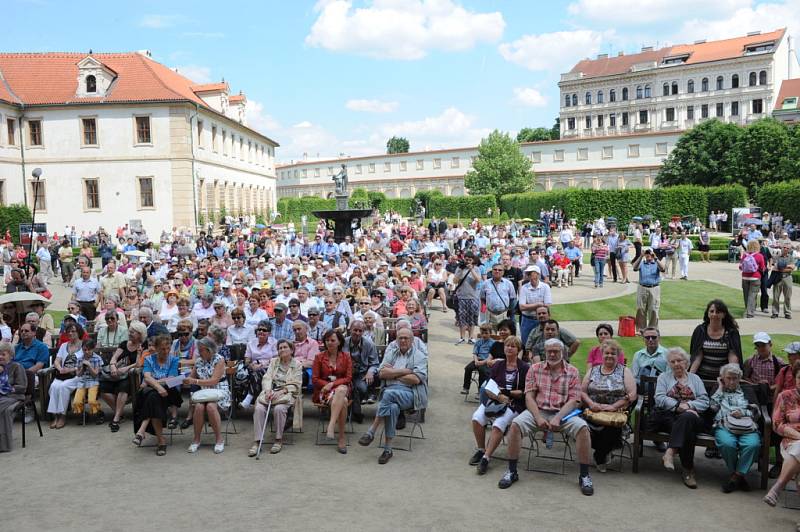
x: 401, y: 29
x: 556, y: 51
x: 159, y: 22
x: 196, y: 73
x: 648, y: 11
x: 765, y: 17
x: 203, y: 34
x: 451, y: 128
x: 371, y: 106
x: 529, y: 97
x: 259, y: 120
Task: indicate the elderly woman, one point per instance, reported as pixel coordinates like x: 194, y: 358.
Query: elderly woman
x: 608, y: 387
x: 373, y: 328
x: 209, y: 373
x: 184, y: 314
x: 509, y: 376
x: 740, y: 448
x: 114, y: 383
x: 253, y: 313
x: 221, y: 318
x: 786, y: 422
x: 332, y: 378
x: 114, y: 331
x: 217, y: 334
x: 259, y: 352
x: 603, y: 332
x: 239, y: 332
x: 401, y: 306
x: 437, y: 283
x: 681, y: 400
x: 110, y: 306
x: 282, y: 384
x: 69, y: 356
x: 416, y: 315
x: 466, y: 281
x: 154, y: 399
x: 13, y: 383
x: 715, y: 342
x: 168, y: 308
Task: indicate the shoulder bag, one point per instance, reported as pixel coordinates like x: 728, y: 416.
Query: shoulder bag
x: 606, y: 419
x: 739, y: 425
x: 207, y: 395
x: 452, y: 300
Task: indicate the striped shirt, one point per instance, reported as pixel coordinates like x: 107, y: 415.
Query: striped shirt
x: 552, y: 390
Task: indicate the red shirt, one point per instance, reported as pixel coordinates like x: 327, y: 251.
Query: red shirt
x: 553, y: 390
x: 396, y: 246
x: 759, y: 261
x: 321, y: 372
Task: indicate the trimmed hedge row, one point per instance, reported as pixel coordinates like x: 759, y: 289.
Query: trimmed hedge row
x: 781, y: 197
x: 464, y: 206
x: 726, y: 197
x: 10, y: 218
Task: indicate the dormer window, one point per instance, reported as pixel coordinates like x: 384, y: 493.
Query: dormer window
x: 91, y: 84
x: 94, y: 78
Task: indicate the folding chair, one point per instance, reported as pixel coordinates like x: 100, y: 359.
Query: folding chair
x: 476, y: 398
x: 19, y: 409
x: 415, y: 419
x: 324, y: 415
x: 560, y: 440
x: 289, y: 429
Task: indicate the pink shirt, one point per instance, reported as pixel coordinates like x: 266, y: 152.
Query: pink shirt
x: 595, y: 357
x: 306, y: 351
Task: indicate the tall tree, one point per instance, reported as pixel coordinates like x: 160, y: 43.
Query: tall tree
x: 500, y: 167
x: 528, y: 134
x: 397, y: 145
x: 555, y: 131
x: 790, y: 165
x: 758, y: 153
x: 701, y: 156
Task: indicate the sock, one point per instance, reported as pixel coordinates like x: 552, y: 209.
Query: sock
x: 371, y: 432
x: 247, y: 400
x: 512, y: 466
x: 486, y: 458
x: 481, y: 450
x: 387, y: 448
x: 584, y: 470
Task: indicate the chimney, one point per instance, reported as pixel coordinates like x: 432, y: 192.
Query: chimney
x: 757, y: 32
x: 305, y: 156
x: 145, y: 53
x: 602, y: 56
x: 620, y: 53
x: 647, y: 48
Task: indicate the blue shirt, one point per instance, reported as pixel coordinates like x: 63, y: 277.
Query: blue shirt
x: 282, y: 331
x: 648, y: 273
x: 482, y: 348
x: 157, y: 371
x: 86, y: 290
x: 30, y: 356
x: 573, y: 253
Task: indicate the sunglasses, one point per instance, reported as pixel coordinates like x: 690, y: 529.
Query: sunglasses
x: 262, y: 330
x: 295, y: 306
x: 651, y: 337
x: 237, y: 282
x: 184, y: 333
x: 313, y: 314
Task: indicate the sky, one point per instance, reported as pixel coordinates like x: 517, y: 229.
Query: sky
x: 342, y: 76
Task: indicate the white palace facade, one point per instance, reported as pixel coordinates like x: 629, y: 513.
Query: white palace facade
x: 121, y: 137
x: 620, y: 117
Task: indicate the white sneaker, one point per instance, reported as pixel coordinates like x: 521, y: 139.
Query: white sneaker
x: 246, y: 402
x: 602, y: 468
x: 219, y: 448
x: 28, y: 415
x: 193, y: 448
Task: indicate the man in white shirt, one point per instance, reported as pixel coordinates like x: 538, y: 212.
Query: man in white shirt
x: 45, y: 266
x: 532, y: 295
x: 347, y: 246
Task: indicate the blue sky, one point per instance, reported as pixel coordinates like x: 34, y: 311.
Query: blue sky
x: 340, y: 76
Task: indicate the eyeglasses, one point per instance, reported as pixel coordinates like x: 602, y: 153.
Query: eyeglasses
x: 184, y: 333
x: 237, y: 317
x: 111, y: 318
x: 651, y: 337
x: 237, y: 282
x: 262, y: 330
x: 292, y: 305
x: 329, y: 302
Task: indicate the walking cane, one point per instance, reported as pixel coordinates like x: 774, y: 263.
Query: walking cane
x: 263, y: 430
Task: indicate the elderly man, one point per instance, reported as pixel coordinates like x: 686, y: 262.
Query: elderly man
x: 365, y: 367
x: 305, y: 349
x: 113, y: 282
x: 42, y: 334
x: 532, y: 295
x: 405, y: 376
x: 204, y: 309
x: 782, y: 285
x: 651, y: 360
x: 86, y: 291
x: 281, y: 327
x: 648, y: 295
x: 33, y: 355
x: 498, y: 294
x: 154, y: 327
x: 549, y: 328
x: 552, y: 391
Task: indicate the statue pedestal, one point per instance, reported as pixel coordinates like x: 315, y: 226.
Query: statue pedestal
x: 341, y: 202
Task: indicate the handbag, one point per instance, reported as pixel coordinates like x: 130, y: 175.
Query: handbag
x: 207, y: 395
x: 47, y: 293
x: 606, y: 419
x: 452, y: 300
x: 105, y: 374
x: 494, y: 408
x: 739, y: 425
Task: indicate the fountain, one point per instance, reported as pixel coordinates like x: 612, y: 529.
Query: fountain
x: 341, y: 220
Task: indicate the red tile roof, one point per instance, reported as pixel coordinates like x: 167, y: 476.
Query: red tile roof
x: 698, y: 53
x: 236, y: 98
x: 211, y: 87
x: 789, y: 88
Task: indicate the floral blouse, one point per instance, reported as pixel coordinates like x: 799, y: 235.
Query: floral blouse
x: 205, y: 370
x: 786, y: 411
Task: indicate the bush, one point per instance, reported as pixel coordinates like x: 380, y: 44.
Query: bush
x: 781, y: 197
x: 293, y: 209
x: 721, y: 255
x: 13, y: 215
x: 725, y: 197
x: 462, y: 206
x: 682, y: 200
x: 403, y: 206
x: 376, y: 198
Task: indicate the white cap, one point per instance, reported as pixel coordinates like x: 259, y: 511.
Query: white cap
x: 533, y: 268
x: 792, y: 348
x: 761, y: 338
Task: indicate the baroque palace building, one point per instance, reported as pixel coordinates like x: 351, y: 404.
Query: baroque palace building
x: 121, y: 137
x: 620, y: 117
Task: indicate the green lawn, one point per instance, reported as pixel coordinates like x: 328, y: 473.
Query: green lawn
x: 58, y: 316
x: 679, y: 300
x: 631, y: 345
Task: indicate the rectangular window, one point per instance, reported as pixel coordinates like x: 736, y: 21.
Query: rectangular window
x: 316, y: 172
x: 600, y: 120
x: 224, y: 143
x: 570, y: 123
x: 454, y: 162
x: 38, y: 194
x: 608, y: 152
x: 612, y: 120
x: 704, y: 111
x: 35, y: 132
x: 758, y: 106
x: 200, y: 134
x: 214, y: 138
x: 403, y: 166
x: 305, y: 172
x: 720, y: 110
x: 420, y: 164
x: 643, y: 117
x: 633, y: 150
x: 10, y: 126
x: 588, y: 124
x: 583, y: 154
x: 661, y: 148
x: 670, y: 116
x: 143, y: 130
x: 558, y: 156
x: 371, y: 168
x: 89, y: 126
x: 330, y: 170
x: 690, y: 112
x: 146, y: 198
x: 358, y: 168
x: 2, y: 192
x: 625, y: 118
x: 437, y: 164
x: 92, y: 194
x: 734, y: 108
x: 536, y: 156
x: 387, y: 167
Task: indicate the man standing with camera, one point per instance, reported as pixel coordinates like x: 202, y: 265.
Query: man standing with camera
x: 648, y: 295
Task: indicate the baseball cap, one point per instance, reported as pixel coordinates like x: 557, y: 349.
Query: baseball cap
x: 224, y: 284
x: 281, y: 306
x: 533, y: 268
x: 792, y: 348
x: 761, y: 338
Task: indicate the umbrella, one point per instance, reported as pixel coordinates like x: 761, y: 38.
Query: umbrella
x: 648, y: 217
x: 261, y: 226
x: 526, y: 220
x: 136, y: 253
x: 637, y: 218
x: 21, y: 303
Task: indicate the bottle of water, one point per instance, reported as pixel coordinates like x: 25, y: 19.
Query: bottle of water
x: 548, y: 439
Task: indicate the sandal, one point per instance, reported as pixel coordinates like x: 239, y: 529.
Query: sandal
x: 137, y: 440
x: 114, y: 426
x: 161, y: 450
x: 172, y: 424
x: 276, y: 448
x: 771, y: 498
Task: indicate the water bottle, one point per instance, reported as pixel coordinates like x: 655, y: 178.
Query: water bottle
x: 548, y: 439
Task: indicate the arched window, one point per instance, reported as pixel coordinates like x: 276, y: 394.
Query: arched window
x: 762, y: 77
x: 647, y: 91
x: 752, y: 79
x: 720, y: 83
x: 674, y: 87
x: 704, y: 85
x: 574, y: 99
x: 91, y: 84
x: 735, y: 81
x: 624, y: 94
x: 665, y: 89
x: 566, y: 100
x: 639, y: 92
x: 588, y: 98
x: 612, y: 95
x: 599, y: 96
x: 690, y: 86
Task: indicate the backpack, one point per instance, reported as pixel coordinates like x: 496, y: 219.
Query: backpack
x: 749, y: 264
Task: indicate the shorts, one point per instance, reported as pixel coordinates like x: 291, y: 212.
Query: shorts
x: 115, y: 387
x: 571, y: 427
x: 790, y: 448
x: 703, y: 247
x: 500, y: 423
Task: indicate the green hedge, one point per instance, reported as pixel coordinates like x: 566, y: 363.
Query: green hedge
x: 720, y: 255
x: 462, y: 206
x: 781, y: 197
x: 402, y: 206
x: 10, y: 218
x: 584, y: 204
x: 726, y: 197
x: 293, y: 209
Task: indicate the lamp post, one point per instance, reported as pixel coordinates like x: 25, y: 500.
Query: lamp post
x: 37, y: 174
